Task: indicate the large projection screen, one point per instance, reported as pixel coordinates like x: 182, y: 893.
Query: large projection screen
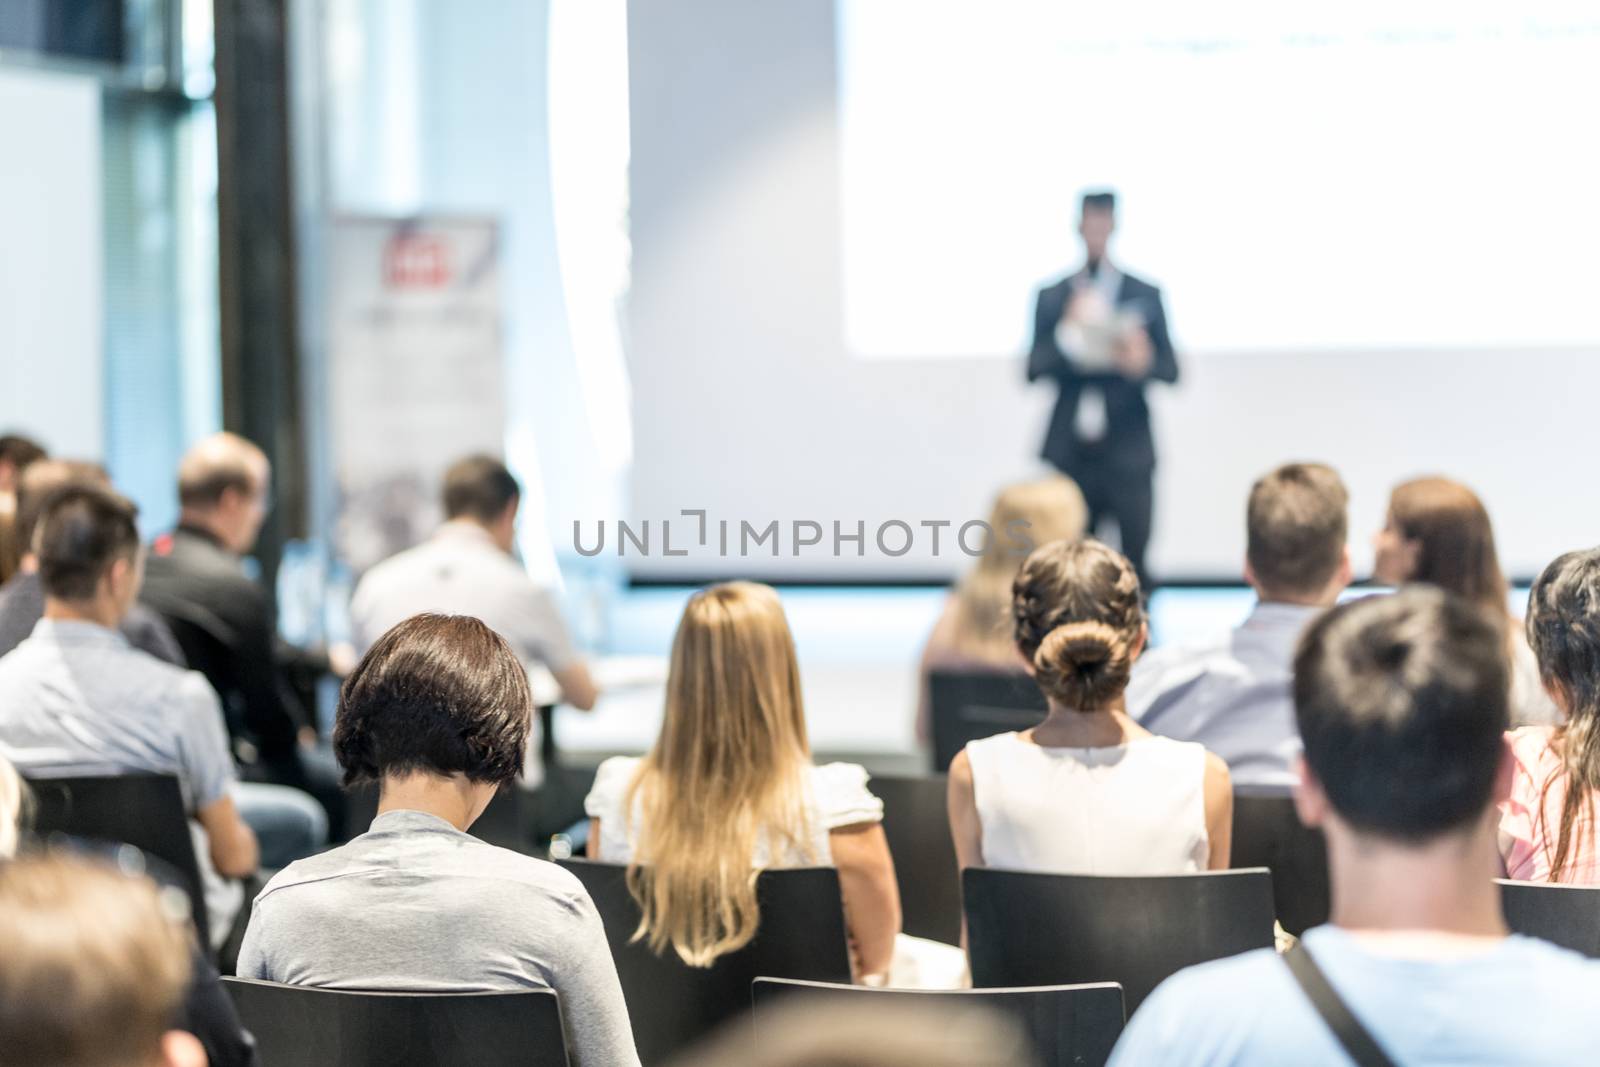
x: 1374, y: 244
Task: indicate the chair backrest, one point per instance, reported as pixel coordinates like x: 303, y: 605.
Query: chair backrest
x: 1268, y: 833
x: 1069, y: 1025
x: 671, y: 1004
x: 916, y: 820
x: 968, y: 705
x: 298, y: 1026
x: 1566, y: 915
x: 1045, y: 929
x: 142, y: 810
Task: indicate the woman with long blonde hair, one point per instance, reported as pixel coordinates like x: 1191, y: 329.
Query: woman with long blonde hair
x: 729, y: 789
x: 1438, y: 533
x: 974, y: 628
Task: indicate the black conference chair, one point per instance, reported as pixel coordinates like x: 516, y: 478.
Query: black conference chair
x: 1566, y: 915
x: 1268, y: 833
x: 1069, y: 1025
x: 142, y: 810
x: 916, y: 821
x: 1026, y: 929
x: 298, y: 1026
x: 971, y: 704
x: 671, y: 1004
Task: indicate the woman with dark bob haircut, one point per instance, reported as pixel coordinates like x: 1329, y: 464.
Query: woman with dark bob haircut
x: 437, y: 714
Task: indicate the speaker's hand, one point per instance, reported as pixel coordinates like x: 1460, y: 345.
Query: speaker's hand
x: 1134, y: 353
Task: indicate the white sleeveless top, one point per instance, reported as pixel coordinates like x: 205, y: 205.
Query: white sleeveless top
x: 1137, y: 808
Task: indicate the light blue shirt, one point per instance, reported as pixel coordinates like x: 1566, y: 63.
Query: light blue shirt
x: 77, y: 699
x: 1235, y: 696
x: 1522, y: 1001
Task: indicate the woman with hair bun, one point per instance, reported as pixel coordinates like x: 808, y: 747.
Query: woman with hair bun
x: 1087, y: 791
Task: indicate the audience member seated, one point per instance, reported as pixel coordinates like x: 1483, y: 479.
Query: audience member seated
x: 94, y: 970
x: 974, y: 627
x: 207, y: 1011
x: 437, y: 714
x: 1402, y: 705
x: 22, y: 598
x: 16, y: 454
x: 288, y: 823
x: 75, y: 698
x: 1547, y: 825
x: 1438, y: 533
x: 227, y: 623
x: 1087, y: 791
x: 1234, y: 696
x: 730, y: 787
x: 468, y: 568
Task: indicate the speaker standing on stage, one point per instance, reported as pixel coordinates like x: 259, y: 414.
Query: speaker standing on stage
x: 1102, y: 334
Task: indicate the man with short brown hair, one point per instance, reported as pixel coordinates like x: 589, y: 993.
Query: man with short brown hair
x: 22, y: 597
x: 1233, y: 696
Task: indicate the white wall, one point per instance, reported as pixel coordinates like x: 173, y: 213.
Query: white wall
x: 746, y: 403
x: 51, y: 277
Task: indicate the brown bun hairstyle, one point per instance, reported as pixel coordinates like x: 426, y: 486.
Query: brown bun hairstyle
x: 1078, y: 619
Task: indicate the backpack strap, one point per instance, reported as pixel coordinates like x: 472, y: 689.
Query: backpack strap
x: 1356, y: 1040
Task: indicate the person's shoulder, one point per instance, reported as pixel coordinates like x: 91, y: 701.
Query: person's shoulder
x: 1561, y: 973
x: 1531, y: 738
x: 320, y: 868
x: 1132, y: 283
x: 1056, y: 287
x: 611, y: 780
x: 999, y: 746
x: 135, y: 669
x: 1185, y: 754
x: 839, y: 773
x: 396, y: 568
x: 1206, y: 1013
x: 1530, y: 745
x: 1172, y: 663
x: 525, y: 874
x: 843, y: 797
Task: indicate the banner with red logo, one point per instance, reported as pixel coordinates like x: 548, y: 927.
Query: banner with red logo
x: 416, y: 376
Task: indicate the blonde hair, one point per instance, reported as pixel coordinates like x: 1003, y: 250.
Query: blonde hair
x: 1054, y: 510
x: 13, y: 805
x: 725, y: 775
x: 95, y: 964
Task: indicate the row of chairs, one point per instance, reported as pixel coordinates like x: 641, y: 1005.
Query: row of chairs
x: 297, y: 1026
x: 1026, y: 930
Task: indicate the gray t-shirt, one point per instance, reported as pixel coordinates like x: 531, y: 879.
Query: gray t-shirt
x: 415, y: 904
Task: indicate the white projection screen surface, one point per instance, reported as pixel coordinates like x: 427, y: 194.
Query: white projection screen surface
x: 1298, y: 176
x: 1374, y: 226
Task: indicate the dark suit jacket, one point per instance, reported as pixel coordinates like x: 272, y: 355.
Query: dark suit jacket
x: 227, y: 626
x: 1127, y: 445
